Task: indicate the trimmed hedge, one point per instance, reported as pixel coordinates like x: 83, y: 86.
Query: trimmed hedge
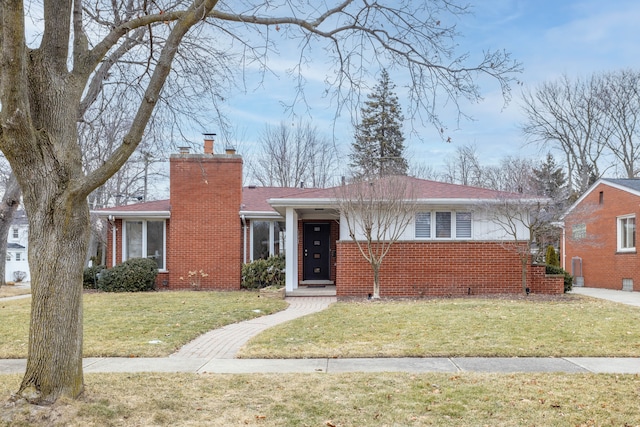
x: 134, y: 275
x: 568, y: 278
x: 264, y: 272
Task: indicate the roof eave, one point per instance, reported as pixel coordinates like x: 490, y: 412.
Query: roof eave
x: 133, y: 214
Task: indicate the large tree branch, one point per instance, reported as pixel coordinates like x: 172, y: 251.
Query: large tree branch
x: 14, y: 116
x: 199, y: 9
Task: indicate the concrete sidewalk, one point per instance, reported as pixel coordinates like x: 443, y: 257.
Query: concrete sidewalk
x: 214, y: 352
x: 414, y: 365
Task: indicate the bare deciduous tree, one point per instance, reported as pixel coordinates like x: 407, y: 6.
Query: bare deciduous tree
x: 619, y: 102
x: 44, y: 90
x: 463, y: 167
x: 294, y: 155
x: 567, y: 114
x: 376, y: 213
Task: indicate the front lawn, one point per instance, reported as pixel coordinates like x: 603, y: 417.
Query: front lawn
x: 332, y: 400
x: 145, y: 324
x: 568, y: 326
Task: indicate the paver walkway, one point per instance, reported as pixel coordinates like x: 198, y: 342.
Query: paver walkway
x: 225, y: 342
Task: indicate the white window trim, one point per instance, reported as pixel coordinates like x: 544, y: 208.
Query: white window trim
x: 619, y: 232
x: 453, y: 235
x: 144, y: 239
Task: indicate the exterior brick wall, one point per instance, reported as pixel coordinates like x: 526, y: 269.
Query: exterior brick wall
x: 206, y: 231
x: 418, y: 269
x: 602, y: 265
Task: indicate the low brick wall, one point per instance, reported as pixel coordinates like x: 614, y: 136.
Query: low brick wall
x: 420, y: 269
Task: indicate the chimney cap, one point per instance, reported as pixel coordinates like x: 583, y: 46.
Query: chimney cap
x: 209, y: 135
x: 184, y: 150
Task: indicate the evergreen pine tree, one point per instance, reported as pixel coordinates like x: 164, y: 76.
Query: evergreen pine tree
x: 378, y: 149
x: 549, y: 179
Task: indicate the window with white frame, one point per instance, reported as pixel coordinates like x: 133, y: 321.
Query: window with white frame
x: 627, y: 233
x: 15, y: 233
x: 443, y: 225
x: 18, y: 256
x: 423, y: 225
x: 8, y: 256
x: 267, y: 239
x: 145, y: 239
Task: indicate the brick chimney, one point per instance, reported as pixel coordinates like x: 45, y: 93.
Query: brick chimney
x: 204, y: 230
x: 208, y: 142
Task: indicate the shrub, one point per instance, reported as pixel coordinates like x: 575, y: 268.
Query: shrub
x: 551, y: 257
x: 264, y: 272
x: 134, y: 275
x: 19, y: 276
x: 89, y: 278
x: 568, y: 278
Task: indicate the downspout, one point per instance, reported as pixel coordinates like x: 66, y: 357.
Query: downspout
x: 244, y: 239
x: 113, y: 243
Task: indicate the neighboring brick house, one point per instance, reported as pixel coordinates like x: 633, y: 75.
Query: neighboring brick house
x: 16, y: 263
x: 211, y: 225
x: 600, y: 236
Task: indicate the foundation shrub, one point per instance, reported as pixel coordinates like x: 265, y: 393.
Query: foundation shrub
x: 90, y: 276
x: 134, y: 275
x: 264, y: 272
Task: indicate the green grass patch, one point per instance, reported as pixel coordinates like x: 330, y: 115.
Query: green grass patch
x: 144, y: 324
x: 355, y: 399
x: 570, y: 326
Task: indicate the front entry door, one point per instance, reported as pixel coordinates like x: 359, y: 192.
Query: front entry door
x: 316, y: 251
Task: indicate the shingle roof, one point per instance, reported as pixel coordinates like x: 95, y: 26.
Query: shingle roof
x: 155, y: 206
x: 14, y: 246
x: 631, y: 183
x: 421, y: 189
x: 255, y: 199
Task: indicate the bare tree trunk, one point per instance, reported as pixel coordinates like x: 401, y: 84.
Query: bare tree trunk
x: 8, y: 207
x: 376, y: 281
x: 57, y: 242
x: 524, y: 260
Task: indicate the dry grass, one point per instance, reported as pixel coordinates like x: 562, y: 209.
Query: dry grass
x: 339, y: 400
x: 569, y: 326
x: 140, y: 324
x: 11, y: 291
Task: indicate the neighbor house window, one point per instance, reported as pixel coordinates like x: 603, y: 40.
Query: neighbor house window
x: 145, y: 239
x: 18, y: 256
x: 445, y: 226
x: 579, y: 231
x: 627, y: 233
x: 8, y: 256
x: 267, y: 239
x: 14, y: 233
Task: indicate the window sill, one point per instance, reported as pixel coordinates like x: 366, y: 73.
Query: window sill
x: 626, y: 252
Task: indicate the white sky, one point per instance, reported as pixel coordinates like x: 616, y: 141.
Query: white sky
x: 549, y: 37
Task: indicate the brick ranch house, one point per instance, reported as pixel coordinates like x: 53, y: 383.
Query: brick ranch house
x: 600, y: 236
x: 211, y: 225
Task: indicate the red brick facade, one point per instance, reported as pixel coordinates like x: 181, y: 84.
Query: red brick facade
x: 603, y: 266
x: 205, y: 249
x: 204, y: 244
x: 418, y: 269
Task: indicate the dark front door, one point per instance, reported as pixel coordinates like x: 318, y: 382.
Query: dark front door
x: 316, y: 251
